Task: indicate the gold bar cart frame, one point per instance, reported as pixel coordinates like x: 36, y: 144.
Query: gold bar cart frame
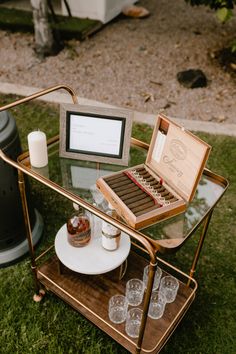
x: 146, y: 244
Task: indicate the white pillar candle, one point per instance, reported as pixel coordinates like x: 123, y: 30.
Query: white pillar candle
x: 38, y: 153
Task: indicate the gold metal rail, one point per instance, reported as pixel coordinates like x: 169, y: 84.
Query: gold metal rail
x: 39, y: 94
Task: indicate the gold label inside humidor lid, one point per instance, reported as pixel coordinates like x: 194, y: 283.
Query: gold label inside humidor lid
x: 177, y: 156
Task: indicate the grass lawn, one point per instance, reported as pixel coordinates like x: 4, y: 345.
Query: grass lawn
x: 68, y: 27
x: 53, y: 327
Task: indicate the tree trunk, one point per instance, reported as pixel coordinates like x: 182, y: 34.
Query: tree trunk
x: 44, y: 41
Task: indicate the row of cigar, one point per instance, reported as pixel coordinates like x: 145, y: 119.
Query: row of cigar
x: 140, y: 200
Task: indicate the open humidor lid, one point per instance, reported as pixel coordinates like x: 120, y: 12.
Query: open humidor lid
x: 177, y: 156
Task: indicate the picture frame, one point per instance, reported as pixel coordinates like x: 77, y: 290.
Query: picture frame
x: 92, y: 133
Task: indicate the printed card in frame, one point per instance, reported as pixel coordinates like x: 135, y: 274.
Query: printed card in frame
x: 98, y: 134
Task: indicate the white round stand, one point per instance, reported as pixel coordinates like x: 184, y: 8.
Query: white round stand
x: 93, y: 258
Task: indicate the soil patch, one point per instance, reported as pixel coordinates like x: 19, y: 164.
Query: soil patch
x: 133, y: 63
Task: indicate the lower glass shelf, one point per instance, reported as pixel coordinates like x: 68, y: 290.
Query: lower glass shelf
x: 89, y: 294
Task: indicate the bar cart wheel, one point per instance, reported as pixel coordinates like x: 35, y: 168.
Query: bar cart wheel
x: 38, y: 297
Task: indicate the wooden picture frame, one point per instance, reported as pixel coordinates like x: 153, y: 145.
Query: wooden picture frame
x: 98, y: 134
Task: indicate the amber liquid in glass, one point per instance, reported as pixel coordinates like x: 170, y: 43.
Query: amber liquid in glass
x: 78, y: 230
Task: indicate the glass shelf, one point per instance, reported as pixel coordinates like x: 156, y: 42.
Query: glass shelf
x: 79, y: 178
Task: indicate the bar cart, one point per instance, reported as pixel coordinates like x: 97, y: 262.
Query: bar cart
x: 72, y: 282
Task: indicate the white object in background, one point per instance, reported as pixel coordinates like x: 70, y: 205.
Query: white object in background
x: 38, y: 153
x: 159, y: 146
x: 96, y: 225
x: 102, y: 10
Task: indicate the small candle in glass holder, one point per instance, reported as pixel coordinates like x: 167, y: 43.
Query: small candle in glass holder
x: 110, y: 234
x: 38, y: 153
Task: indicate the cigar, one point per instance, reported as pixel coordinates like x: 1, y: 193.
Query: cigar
x: 172, y: 200
x: 136, y: 193
x: 145, y: 175
x: 157, y: 206
x: 113, y: 178
x: 165, y: 193
x: 140, y: 169
x: 118, y: 180
x: 160, y: 189
x: 142, y: 207
x: 139, y: 202
x: 136, y: 198
x: 132, y: 189
x: 120, y: 183
x: 169, y: 196
x: 124, y: 187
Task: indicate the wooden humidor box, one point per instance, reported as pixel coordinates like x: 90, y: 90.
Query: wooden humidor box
x: 163, y: 186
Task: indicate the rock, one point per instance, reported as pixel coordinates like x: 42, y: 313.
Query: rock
x: 233, y: 66
x: 192, y: 78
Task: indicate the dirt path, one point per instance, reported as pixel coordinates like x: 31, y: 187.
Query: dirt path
x: 133, y: 63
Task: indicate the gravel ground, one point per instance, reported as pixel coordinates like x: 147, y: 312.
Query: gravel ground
x: 133, y: 63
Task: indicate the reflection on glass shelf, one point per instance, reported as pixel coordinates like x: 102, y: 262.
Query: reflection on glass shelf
x: 84, y: 174
x: 206, y: 195
x: 179, y: 226
x: 75, y: 176
x: 43, y: 171
x: 80, y: 177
